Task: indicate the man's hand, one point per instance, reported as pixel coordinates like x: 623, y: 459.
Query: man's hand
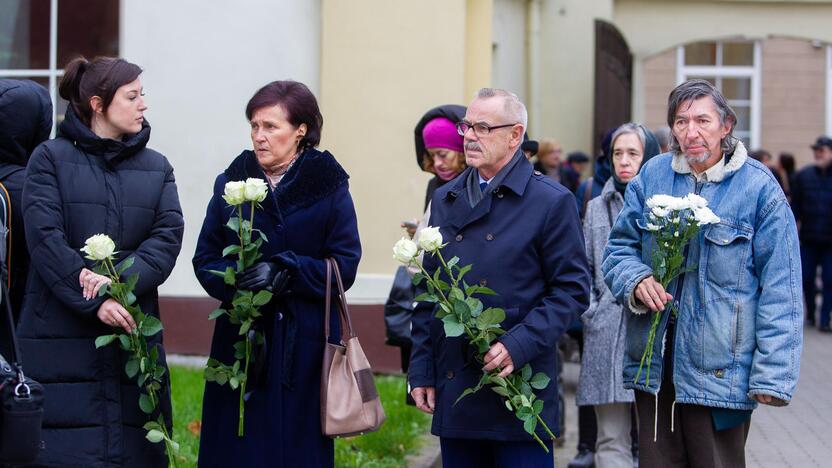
x: 769, y: 400
x: 498, y: 358
x: 114, y: 315
x: 651, y: 293
x: 425, y: 398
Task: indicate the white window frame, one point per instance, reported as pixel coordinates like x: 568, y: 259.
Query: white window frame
x: 754, y: 72
x: 53, y: 72
x: 828, y: 90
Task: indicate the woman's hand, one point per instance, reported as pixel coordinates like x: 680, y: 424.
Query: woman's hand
x: 114, y: 315
x: 91, y: 283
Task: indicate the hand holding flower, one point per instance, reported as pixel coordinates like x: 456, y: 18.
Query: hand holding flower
x: 114, y: 315
x: 498, y: 357
x: 651, y: 293
x: 91, y: 283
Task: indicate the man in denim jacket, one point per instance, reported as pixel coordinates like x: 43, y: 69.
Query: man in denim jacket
x: 737, y: 338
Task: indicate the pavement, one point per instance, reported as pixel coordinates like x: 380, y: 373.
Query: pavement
x: 798, y: 435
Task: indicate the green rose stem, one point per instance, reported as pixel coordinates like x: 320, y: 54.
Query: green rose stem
x: 138, y: 349
x: 512, y: 392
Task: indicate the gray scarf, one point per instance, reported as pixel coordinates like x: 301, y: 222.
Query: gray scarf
x: 472, y: 185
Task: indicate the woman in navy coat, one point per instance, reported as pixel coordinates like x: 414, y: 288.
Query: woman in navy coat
x: 307, y: 217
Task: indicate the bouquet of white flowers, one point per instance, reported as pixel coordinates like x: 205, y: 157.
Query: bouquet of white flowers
x: 463, y: 314
x: 674, y: 221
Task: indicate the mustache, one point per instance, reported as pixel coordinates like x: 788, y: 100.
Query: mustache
x: 472, y: 146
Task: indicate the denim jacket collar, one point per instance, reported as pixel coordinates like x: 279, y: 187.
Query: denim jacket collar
x: 733, y: 163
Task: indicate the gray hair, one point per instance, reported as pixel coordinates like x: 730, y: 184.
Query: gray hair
x: 696, y: 89
x: 630, y: 127
x: 513, y: 105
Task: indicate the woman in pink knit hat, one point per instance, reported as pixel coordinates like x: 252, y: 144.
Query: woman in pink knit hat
x: 439, y: 146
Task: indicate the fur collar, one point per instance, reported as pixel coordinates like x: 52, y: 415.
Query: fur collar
x: 314, y: 176
x: 733, y: 163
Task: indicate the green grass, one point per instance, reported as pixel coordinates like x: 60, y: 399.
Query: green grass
x: 400, y: 435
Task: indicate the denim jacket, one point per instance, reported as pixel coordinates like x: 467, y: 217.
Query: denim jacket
x: 740, y: 310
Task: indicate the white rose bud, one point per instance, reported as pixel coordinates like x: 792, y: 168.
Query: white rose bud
x: 99, y: 247
x: 235, y: 192
x: 430, y: 239
x: 256, y: 189
x: 405, y: 251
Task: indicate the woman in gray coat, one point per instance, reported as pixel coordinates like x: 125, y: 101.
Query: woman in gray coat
x: 601, y: 382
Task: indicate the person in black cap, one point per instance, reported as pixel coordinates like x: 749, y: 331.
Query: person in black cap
x: 812, y: 206
x: 576, y: 163
x: 529, y: 147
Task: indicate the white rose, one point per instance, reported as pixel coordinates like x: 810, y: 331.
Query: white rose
x: 235, y: 192
x: 256, y: 189
x: 405, y: 250
x: 99, y: 247
x: 705, y: 216
x: 430, y: 239
x: 660, y: 200
x: 652, y: 227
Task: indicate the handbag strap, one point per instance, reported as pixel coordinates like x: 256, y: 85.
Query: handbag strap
x: 344, y: 314
x: 15, y: 360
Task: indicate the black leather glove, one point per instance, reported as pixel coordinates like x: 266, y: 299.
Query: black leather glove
x: 264, y: 276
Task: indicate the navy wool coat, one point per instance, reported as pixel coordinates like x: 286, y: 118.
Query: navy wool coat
x: 525, y: 242
x: 76, y: 186
x: 308, y: 217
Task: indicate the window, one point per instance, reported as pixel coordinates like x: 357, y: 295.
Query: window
x: 734, y: 68
x: 39, y: 36
x: 829, y: 90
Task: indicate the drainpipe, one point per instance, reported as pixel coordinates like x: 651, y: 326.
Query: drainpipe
x: 533, y: 66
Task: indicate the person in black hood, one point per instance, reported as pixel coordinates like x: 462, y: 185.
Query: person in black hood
x: 25, y: 122
x: 96, y: 177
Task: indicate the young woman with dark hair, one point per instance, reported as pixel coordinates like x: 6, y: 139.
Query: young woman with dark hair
x: 96, y: 177
x: 307, y: 216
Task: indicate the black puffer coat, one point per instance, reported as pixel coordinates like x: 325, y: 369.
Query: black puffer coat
x: 812, y: 203
x: 79, y: 185
x: 25, y: 122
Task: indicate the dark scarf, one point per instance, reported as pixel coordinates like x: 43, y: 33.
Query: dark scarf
x: 651, y: 148
x: 472, y: 185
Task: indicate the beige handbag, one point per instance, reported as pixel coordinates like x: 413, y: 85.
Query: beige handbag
x: 350, y: 404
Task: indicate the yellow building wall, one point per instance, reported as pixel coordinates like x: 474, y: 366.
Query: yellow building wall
x: 383, y: 64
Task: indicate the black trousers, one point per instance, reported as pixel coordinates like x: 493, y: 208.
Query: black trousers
x: 693, y: 443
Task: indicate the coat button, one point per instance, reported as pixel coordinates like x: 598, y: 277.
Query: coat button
x: 489, y: 237
x: 483, y: 282
x: 459, y: 237
x: 450, y: 374
x: 499, y: 195
x: 280, y: 316
x: 719, y: 373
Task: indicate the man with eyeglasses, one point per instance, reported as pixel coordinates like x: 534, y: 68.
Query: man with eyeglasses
x: 521, y: 232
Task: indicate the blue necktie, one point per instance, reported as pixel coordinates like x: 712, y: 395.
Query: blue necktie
x: 483, y: 185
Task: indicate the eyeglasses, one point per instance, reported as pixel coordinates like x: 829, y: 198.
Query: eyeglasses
x: 480, y: 128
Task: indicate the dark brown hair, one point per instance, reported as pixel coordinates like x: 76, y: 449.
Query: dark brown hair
x: 101, y: 77
x: 297, y: 101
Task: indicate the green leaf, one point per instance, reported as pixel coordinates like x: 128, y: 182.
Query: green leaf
x: 418, y: 278
x: 426, y: 297
x: 245, y: 327
x: 461, y: 309
x: 463, y: 271
x: 143, y: 364
x: 152, y: 425
x: 104, y: 340
x: 539, y: 381
x: 261, y: 298
x: 537, y: 407
x: 525, y: 401
x: 229, y: 277
x: 508, y: 406
x: 475, y: 305
x: 216, y: 314
x: 234, y: 382
x: 500, y: 391
x: 457, y: 294
x: 154, y: 354
x: 466, y: 392
x: 233, y: 224
x: 526, y: 372
x: 151, y: 326
x: 125, y: 265
x: 145, y: 403
x: 524, y: 413
x: 131, y: 368
x: 231, y: 250
x: 452, y: 327
x: 155, y: 436
x: 131, y: 298
x: 124, y: 341
x: 497, y: 380
x: 132, y: 280
x: 530, y: 424
x: 490, y: 316
x: 159, y: 373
